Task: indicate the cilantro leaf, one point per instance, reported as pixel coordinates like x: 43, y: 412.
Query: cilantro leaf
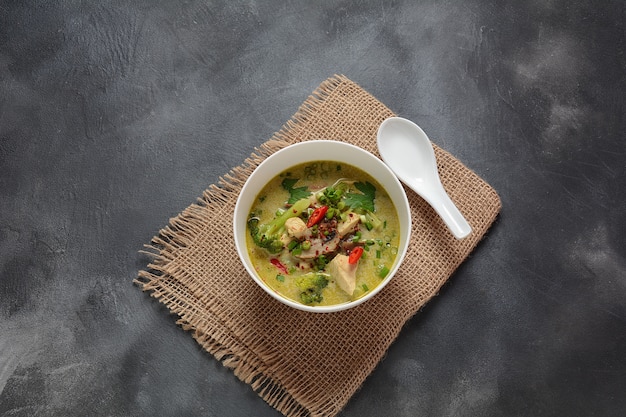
x: 363, y: 201
x: 297, y: 193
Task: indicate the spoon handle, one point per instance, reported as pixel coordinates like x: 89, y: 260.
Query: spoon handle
x: 449, y: 213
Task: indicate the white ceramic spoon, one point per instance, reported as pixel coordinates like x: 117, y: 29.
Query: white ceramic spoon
x: 406, y: 149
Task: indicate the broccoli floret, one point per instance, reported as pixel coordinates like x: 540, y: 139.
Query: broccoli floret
x: 311, y: 286
x: 272, y: 243
x: 320, y: 263
x: 268, y: 235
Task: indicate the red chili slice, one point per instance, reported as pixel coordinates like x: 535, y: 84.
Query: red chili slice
x: 317, y: 215
x: 279, y: 265
x: 355, y: 255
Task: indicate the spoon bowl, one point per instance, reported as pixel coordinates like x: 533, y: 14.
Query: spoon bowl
x: 406, y: 149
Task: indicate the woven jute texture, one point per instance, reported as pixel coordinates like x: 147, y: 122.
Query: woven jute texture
x: 301, y: 363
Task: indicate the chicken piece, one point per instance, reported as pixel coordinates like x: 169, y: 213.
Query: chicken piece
x: 296, y: 227
x: 348, y: 226
x: 343, y: 273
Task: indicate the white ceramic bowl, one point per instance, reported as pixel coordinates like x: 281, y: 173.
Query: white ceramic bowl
x: 319, y: 150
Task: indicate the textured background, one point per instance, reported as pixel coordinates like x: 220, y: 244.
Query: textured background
x: 116, y: 115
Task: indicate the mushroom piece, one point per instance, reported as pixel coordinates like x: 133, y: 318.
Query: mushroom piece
x: 343, y: 272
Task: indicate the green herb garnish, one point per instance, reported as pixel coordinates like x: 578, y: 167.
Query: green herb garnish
x: 364, y: 201
x: 295, y: 193
x: 383, y: 271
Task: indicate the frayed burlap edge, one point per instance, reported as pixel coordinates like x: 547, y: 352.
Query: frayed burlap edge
x: 179, y: 234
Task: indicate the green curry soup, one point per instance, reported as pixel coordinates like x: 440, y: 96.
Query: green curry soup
x: 323, y: 233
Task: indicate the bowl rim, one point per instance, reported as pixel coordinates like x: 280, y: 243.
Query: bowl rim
x: 250, y: 190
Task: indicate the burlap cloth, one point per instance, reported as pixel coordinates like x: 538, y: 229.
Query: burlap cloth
x: 306, y: 364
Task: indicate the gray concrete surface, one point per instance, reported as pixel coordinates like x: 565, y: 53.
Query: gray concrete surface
x: 116, y: 115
